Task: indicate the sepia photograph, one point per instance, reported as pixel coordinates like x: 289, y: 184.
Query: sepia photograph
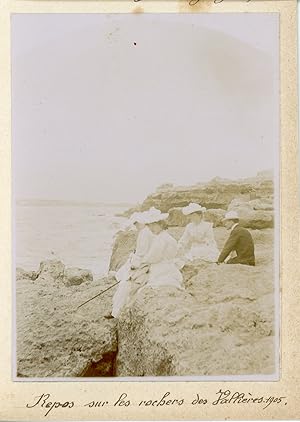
x: 145, y: 180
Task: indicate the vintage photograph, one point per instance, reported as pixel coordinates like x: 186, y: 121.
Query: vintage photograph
x: 145, y: 164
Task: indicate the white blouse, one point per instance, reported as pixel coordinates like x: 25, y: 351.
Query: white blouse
x: 143, y: 243
x: 161, y: 258
x: 198, y: 242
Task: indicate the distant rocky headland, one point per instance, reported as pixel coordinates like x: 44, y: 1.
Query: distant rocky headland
x: 252, y: 198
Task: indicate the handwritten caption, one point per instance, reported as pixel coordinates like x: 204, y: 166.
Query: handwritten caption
x: 194, y: 2
x: 47, y: 404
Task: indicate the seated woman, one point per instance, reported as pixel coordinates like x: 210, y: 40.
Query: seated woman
x: 162, y: 254
x: 123, y: 274
x: 197, y: 241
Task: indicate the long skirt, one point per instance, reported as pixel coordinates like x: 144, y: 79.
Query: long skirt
x: 120, y: 297
x: 165, y: 273
x: 130, y: 283
x: 207, y: 253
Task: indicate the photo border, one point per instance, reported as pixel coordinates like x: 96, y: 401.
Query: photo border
x: 15, y: 395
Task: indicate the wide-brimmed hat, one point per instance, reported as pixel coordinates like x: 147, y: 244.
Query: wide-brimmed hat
x: 153, y: 215
x: 231, y: 215
x: 136, y: 217
x: 192, y: 207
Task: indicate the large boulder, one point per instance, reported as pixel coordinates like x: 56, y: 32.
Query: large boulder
x: 258, y: 220
x: 55, y: 338
x: 221, y: 325
x: 51, y: 271
x: 253, y: 214
x: 265, y: 204
x: 250, y: 218
x: 124, y: 244
x: 177, y: 218
x: 76, y: 276
x: 240, y: 205
x: 215, y: 216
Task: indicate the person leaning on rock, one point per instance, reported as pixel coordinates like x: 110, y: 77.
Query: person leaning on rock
x: 239, y: 241
x: 144, y: 239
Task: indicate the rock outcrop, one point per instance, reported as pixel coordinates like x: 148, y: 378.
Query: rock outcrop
x: 252, y: 198
x: 124, y: 244
x: 54, y: 338
x: 51, y: 271
x: 55, y: 271
x: 253, y: 214
x: 256, y: 194
x: 25, y: 275
x: 177, y: 218
x: 215, y: 194
x: 221, y: 325
x: 215, y: 216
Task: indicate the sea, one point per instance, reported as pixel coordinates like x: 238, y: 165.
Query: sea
x: 80, y: 235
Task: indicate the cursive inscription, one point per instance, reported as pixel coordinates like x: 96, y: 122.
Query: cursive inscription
x: 44, y: 402
x: 227, y: 397
x: 166, y: 400
x: 194, y: 2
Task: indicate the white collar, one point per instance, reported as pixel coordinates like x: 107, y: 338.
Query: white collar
x: 234, y: 226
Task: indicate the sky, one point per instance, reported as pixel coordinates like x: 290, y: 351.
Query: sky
x: 108, y: 107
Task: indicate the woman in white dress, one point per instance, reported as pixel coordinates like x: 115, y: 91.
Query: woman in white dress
x: 162, y: 255
x: 134, y: 261
x: 197, y: 241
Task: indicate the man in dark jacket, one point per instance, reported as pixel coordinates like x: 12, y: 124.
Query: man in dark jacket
x: 240, y: 241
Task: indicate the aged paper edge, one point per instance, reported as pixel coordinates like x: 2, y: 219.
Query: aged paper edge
x: 14, y: 395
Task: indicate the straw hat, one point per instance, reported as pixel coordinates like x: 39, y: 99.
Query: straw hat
x: 136, y: 217
x: 153, y: 215
x: 231, y: 215
x: 192, y: 207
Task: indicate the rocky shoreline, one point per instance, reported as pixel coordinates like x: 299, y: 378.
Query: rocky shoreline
x: 225, y: 310
x: 221, y: 324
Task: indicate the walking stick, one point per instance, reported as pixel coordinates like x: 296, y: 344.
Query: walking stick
x: 99, y: 294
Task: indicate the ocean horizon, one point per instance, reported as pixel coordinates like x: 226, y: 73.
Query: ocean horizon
x: 78, y: 233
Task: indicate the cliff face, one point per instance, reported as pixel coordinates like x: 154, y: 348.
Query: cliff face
x: 222, y: 324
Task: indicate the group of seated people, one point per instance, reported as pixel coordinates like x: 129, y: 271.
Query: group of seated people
x: 158, y: 258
